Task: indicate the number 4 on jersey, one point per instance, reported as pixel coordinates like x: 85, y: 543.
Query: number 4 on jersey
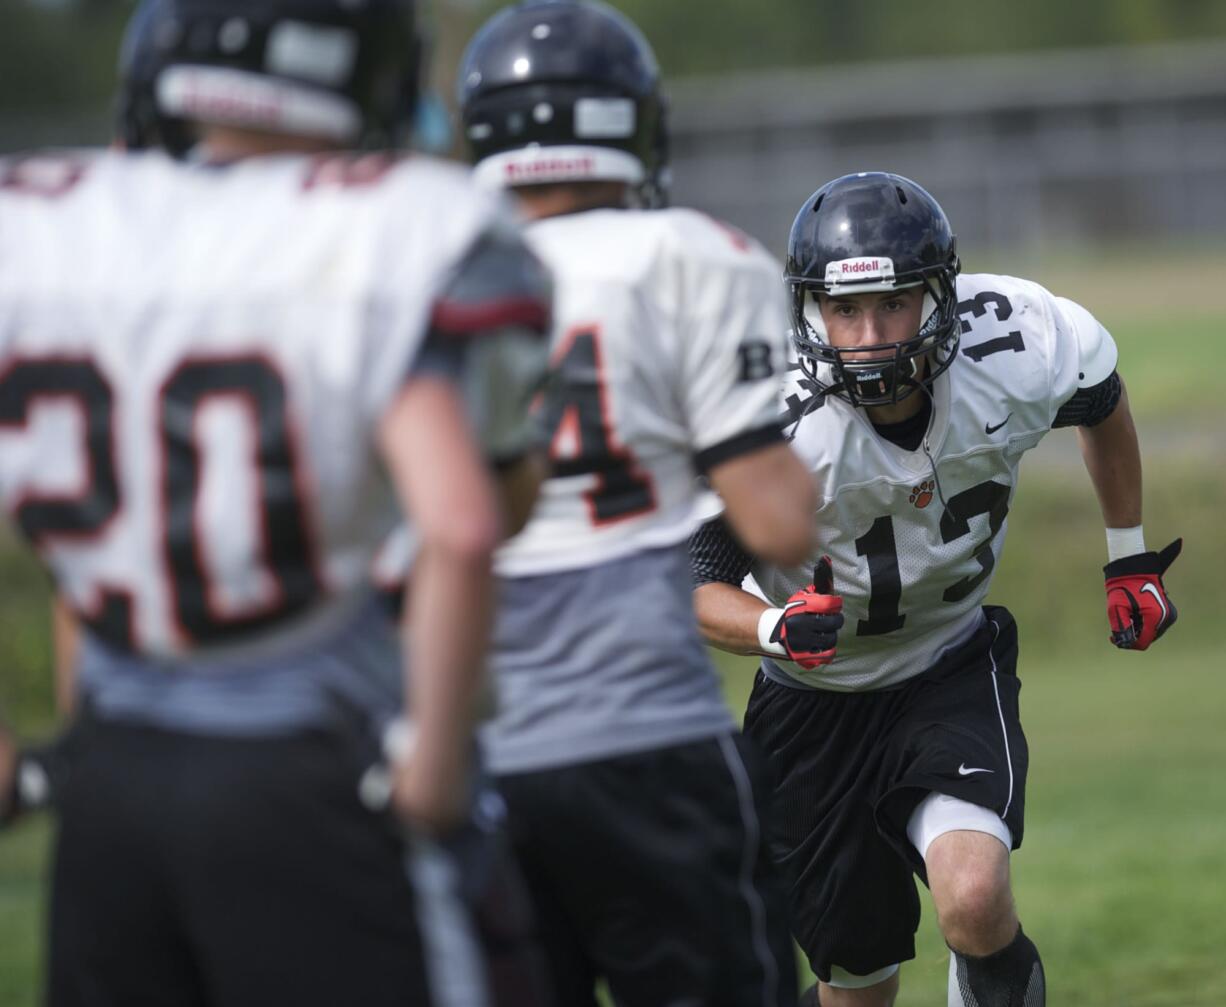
x: 578, y: 419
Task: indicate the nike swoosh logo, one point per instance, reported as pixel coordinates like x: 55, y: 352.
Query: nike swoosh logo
x: 963, y: 771
x: 1150, y: 589
x: 991, y: 430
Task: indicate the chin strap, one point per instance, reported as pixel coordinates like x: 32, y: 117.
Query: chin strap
x: 924, y: 444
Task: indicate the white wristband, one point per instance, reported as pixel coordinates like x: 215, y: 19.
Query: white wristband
x: 767, y: 622
x: 1122, y: 542
x: 377, y: 783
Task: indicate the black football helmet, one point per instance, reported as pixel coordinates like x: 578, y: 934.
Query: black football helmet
x: 564, y: 91
x: 867, y: 232
x: 341, y: 70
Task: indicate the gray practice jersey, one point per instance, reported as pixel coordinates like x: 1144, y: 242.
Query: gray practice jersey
x: 667, y: 350
x: 193, y: 363
x: 914, y: 541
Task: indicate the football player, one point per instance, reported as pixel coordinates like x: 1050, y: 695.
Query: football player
x: 224, y: 379
x: 916, y: 393
x: 633, y: 803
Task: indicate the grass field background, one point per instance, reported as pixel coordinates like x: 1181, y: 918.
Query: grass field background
x: 1122, y: 879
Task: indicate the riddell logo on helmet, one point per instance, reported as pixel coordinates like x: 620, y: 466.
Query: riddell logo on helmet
x: 868, y: 268
x: 851, y: 266
x: 205, y: 100
x: 569, y: 167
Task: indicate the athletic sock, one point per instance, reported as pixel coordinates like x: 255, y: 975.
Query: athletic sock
x: 1010, y: 977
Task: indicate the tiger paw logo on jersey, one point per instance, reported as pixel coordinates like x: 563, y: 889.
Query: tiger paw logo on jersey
x: 921, y: 495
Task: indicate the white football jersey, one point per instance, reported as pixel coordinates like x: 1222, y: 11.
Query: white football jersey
x: 913, y: 568
x: 192, y: 363
x: 667, y: 351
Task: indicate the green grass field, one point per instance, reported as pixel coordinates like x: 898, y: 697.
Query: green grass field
x: 1121, y: 879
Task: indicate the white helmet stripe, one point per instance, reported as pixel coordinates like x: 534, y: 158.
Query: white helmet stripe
x: 569, y: 163
x: 231, y: 97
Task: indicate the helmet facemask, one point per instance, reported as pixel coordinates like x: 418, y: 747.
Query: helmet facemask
x: 873, y: 232
x: 887, y: 373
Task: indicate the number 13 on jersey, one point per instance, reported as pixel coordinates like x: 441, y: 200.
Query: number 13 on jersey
x: 879, y: 548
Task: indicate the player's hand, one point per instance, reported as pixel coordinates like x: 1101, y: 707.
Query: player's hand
x: 431, y: 802
x: 424, y: 799
x: 806, y: 628
x: 28, y: 778
x: 1138, y: 608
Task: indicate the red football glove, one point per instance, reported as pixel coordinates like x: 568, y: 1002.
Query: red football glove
x: 1137, y: 606
x: 808, y: 628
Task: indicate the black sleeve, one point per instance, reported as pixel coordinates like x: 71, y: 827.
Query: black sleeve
x: 716, y: 555
x: 441, y: 357
x: 734, y: 447
x: 489, y: 335
x: 445, y: 357
x: 1090, y: 406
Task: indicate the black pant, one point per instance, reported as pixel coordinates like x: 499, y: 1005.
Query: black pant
x: 651, y: 870
x: 850, y: 768
x: 193, y: 870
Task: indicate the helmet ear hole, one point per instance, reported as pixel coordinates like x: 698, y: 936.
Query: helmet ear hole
x: 902, y: 196
x: 817, y: 204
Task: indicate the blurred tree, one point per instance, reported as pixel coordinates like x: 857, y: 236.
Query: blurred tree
x: 59, y: 55
x: 57, y: 70
x: 706, y: 36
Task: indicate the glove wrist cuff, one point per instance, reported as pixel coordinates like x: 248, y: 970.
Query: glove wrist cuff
x: 1142, y: 564
x: 767, y: 622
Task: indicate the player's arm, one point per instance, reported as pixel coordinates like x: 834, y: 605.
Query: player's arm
x: 8, y: 774
x: 490, y: 335
x: 503, y: 373
x: 518, y: 486
x: 31, y: 776
x: 805, y: 630
x: 461, y: 449
x: 728, y: 617
x: 444, y: 485
x: 1138, y: 608
x: 1112, y: 457
x: 734, y: 354
x: 769, y: 501
x: 65, y: 641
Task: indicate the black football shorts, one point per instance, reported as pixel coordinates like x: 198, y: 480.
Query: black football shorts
x: 244, y: 872
x: 650, y: 870
x: 850, y: 768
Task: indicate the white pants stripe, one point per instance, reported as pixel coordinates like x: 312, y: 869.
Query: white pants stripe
x: 753, y: 899
x: 455, y: 966
x: 1004, y: 731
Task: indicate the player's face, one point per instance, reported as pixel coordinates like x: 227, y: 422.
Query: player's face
x: 872, y: 320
